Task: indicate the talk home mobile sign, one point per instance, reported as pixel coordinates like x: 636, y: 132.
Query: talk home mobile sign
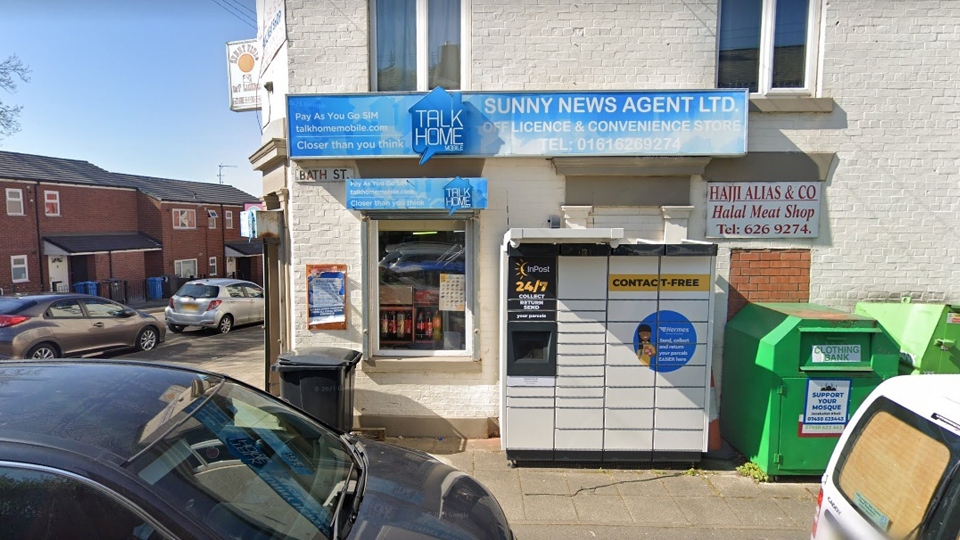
x: 763, y: 209
x: 451, y: 194
x: 707, y: 123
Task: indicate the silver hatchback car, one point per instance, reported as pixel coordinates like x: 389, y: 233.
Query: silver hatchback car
x: 219, y: 304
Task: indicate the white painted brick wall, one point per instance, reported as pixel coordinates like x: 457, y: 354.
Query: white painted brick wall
x: 890, y: 203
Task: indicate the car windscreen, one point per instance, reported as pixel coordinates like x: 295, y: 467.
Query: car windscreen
x: 245, y: 465
x: 9, y: 306
x: 894, y: 467
x: 197, y: 290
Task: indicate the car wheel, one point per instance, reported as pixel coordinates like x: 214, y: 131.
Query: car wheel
x: 225, y: 324
x: 176, y: 328
x: 147, y: 339
x: 43, y: 351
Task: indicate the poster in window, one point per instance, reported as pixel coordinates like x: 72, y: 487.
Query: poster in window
x: 327, y: 296
x: 452, y: 295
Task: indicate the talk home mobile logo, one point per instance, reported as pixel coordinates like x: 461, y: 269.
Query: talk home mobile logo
x: 437, y: 124
x: 458, y: 195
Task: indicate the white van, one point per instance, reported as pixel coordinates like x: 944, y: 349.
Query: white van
x: 895, y: 472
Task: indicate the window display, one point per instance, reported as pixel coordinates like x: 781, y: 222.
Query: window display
x: 422, y: 286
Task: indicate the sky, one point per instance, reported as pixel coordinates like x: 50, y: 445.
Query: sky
x: 132, y: 86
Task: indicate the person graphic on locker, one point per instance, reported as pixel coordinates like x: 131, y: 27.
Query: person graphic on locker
x: 646, y: 350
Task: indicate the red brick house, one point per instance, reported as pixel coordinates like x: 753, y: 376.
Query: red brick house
x: 68, y: 222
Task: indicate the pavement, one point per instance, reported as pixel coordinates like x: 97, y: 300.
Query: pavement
x: 682, y: 501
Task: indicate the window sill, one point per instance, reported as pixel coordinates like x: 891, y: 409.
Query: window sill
x: 791, y: 105
x: 446, y: 364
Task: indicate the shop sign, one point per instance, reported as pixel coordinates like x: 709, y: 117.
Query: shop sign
x: 272, y: 31
x: 763, y: 209
x: 700, y: 123
x: 449, y: 194
x: 243, y: 72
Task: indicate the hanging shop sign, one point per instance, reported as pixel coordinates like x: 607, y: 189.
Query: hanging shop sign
x: 701, y: 123
x: 243, y: 74
x: 450, y: 194
x: 327, y: 296
x: 763, y: 209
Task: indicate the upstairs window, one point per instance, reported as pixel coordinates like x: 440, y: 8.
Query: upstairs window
x: 51, y: 203
x: 212, y: 219
x: 228, y: 219
x: 184, y: 219
x: 418, y: 44
x: 768, y: 46
x: 14, y: 202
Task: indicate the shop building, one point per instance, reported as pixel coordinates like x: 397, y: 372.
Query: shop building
x: 825, y: 168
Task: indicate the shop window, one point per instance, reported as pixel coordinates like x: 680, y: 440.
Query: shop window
x: 184, y: 219
x: 423, y: 279
x: 51, y: 203
x: 419, y: 44
x: 212, y: 266
x: 768, y: 46
x: 186, y: 268
x: 228, y: 219
x: 212, y: 219
x: 18, y: 269
x: 14, y: 202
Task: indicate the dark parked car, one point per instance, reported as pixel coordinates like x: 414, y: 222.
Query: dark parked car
x: 218, y: 303
x: 120, y: 450
x: 59, y: 325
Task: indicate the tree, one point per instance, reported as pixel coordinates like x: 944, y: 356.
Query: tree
x: 10, y: 68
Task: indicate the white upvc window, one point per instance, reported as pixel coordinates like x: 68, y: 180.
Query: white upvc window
x: 228, y: 219
x: 769, y: 46
x: 184, y: 218
x: 419, y: 44
x: 14, y: 202
x: 51, y: 203
x: 185, y: 268
x: 212, y: 266
x: 212, y: 219
x: 18, y: 269
x: 420, y: 282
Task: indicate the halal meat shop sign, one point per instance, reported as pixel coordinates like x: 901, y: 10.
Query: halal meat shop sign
x: 763, y: 209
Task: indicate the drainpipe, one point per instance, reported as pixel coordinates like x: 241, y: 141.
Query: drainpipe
x: 223, y: 242
x: 36, y: 212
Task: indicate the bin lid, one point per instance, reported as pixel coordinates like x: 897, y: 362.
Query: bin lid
x: 320, y: 356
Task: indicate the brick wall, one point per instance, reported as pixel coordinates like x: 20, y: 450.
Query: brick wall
x: 19, y: 238
x: 768, y: 275
x: 89, y: 209
x: 180, y: 244
x: 150, y: 216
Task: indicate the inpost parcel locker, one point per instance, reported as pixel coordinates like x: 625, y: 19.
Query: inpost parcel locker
x: 606, y: 346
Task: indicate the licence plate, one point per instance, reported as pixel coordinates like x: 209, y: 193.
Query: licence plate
x: 189, y: 308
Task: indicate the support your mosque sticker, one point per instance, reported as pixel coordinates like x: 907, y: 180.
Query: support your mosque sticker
x: 665, y: 341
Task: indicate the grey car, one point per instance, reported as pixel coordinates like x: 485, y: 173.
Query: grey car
x: 53, y: 325
x: 218, y: 304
